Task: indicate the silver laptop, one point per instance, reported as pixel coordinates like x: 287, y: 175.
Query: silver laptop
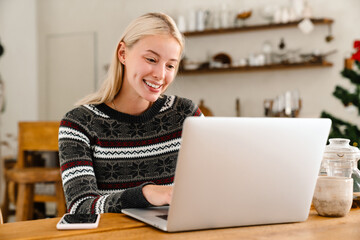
x: 242, y: 171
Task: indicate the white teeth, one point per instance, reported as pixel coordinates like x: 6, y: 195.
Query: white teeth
x: 152, y: 85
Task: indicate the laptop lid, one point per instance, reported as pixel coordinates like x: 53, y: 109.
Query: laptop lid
x: 246, y: 171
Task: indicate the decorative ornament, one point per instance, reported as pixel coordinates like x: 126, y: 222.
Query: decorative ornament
x: 329, y: 37
x: 306, y: 26
x: 243, y: 16
x: 2, y: 86
x: 356, y: 55
x: 348, y: 63
x: 221, y: 60
x: 1, y: 50
x: 350, y: 108
x: 282, y: 44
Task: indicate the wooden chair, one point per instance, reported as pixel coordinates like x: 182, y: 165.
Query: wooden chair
x: 35, y: 136
x: 8, y: 163
x: 1, y: 218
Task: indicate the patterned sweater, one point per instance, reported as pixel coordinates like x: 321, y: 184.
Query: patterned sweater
x: 106, y: 156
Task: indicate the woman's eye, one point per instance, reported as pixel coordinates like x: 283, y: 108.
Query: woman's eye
x: 151, y: 60
x: 171, y: 66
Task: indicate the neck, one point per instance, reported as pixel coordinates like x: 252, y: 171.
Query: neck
x: 130, y: 106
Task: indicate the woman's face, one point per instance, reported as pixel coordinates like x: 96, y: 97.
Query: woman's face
x: 150, y: 66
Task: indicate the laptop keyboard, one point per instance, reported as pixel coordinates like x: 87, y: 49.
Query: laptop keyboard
x: 165, y: 217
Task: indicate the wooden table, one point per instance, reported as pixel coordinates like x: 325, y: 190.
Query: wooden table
x: 119, y: 226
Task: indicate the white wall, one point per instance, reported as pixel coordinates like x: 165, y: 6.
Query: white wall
x: 25, y: 25
x: 18, y: 66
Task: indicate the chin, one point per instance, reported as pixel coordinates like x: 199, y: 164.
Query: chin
x: 152, y: 98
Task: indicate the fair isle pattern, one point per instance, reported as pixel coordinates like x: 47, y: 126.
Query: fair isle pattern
x: 70, y: 173
x: 137, y: 152
x: 169, y: 102
x: 100, y: 204
x: 65, y: 132
x: 96, y: 111
x: 75, y: 206
x: 106, y: 157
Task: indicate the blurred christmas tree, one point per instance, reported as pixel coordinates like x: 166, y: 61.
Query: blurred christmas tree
x: 350, y: 99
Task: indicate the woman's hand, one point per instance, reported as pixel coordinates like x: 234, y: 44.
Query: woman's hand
x: 157, y: 195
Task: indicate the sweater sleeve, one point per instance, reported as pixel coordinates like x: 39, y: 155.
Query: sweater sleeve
x: 78, y: 176
x: 189, y: 108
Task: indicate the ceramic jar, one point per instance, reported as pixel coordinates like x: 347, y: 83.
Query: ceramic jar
x: 333, y: 196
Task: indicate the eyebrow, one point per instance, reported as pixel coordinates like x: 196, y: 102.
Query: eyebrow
x: 149, y: 50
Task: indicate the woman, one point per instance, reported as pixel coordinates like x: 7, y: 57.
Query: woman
x: 118, y: 148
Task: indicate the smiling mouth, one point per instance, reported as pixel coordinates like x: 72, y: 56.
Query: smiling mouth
x: 152, y: 85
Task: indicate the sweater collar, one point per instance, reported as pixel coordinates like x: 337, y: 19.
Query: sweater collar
x: 124, y: 117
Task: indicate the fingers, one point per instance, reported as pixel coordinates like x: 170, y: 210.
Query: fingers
x: 157, y: 195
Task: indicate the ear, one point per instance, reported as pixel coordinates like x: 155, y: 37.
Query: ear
x: 121, y: 52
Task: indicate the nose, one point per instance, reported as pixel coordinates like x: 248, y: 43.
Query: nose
x: 159, y: 71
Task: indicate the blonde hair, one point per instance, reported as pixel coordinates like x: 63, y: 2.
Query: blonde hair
x: 145, y: 25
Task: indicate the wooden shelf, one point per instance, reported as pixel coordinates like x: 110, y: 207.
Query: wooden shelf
x: 257, y: 68
x: 316, y: 21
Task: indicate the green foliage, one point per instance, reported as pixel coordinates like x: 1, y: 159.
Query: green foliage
x: 353, y: 76
x: 340, y: 128
x: 343, y: 129
x: 348, y: 98
x: 344, y: 95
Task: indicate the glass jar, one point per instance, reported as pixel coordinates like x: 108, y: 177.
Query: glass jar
x: 340, y: 160
x: 356, y: 172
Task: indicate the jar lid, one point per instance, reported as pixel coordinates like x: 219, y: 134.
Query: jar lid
x: 340, y: 149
